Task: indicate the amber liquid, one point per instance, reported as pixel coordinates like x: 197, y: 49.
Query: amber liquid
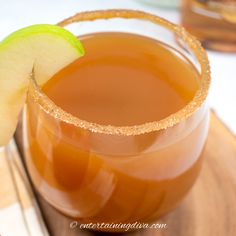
x: 213, y: 22
x: 122, y: 80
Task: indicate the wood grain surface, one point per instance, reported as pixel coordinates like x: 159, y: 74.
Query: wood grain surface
x: 208, y: 210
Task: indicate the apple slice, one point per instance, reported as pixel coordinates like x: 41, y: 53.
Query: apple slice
x: 43, y: 48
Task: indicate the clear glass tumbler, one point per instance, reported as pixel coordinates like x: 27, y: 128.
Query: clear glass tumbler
x: 97, y: 173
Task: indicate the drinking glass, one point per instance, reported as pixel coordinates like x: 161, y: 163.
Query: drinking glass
x: 102, y: 173
x: 212, y: 22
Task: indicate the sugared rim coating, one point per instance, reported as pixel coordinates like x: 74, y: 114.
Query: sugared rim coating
x: 51, y: 108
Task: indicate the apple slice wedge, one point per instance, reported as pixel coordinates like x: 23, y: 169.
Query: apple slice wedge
x: 43, y: 48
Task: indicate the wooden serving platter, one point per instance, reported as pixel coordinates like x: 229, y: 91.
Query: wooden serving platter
x: 208, y: 210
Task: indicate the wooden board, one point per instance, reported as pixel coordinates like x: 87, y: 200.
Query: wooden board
x: 208, y: 210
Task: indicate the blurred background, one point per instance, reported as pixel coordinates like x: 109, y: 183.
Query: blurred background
x: 16, y: 14
x: 212, y: 21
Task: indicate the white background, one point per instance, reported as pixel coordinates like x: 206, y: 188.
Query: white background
x: 16, y: 14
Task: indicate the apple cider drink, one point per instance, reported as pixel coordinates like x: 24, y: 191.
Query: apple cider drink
x: 114, y: 125
x: 122, y: 80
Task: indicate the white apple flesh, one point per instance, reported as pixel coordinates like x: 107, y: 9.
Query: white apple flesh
x: 46, y: 49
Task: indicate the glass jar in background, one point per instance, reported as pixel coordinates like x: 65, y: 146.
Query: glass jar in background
x: 162, y: 3
x: 212, y: 21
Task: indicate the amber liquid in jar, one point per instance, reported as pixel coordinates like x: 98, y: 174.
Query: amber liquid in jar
x: 123, y: 80
x: 213, y: 22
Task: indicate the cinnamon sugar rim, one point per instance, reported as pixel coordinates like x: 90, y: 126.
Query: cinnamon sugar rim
x: 200, y: 96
